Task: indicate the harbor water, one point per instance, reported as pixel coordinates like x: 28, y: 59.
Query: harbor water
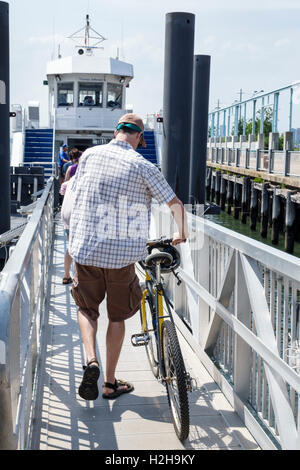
x: 231, y: 223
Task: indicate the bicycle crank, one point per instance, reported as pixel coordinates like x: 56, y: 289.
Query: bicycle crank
x: 140, y: 339
x: 191, y: 383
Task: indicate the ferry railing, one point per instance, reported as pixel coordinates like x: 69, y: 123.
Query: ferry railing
x: 53, y: 145
x: 23, y: 294
x: 239, y: 309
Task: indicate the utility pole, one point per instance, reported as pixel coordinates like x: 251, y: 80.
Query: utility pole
x: 241, y: 99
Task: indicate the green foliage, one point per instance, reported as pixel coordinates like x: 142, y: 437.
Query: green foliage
x: 281, y: 141
x: 258, y: 179
x: 268, y: 118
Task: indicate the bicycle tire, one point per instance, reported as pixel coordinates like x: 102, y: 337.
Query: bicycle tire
x: 176, y: 388
x: 151, y: 347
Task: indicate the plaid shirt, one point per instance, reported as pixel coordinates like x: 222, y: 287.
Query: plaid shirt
x: 113, y: 190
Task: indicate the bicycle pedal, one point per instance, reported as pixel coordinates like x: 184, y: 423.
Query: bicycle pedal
x: 140, y: 339
x: 191, y: 383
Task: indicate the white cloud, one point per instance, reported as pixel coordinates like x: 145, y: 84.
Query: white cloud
x: 137, y: 47
x: 47, y: 39
x: 282, y: 42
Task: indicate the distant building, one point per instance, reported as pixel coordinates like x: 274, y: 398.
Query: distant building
x: 222, y: 130
x: 296, y: 137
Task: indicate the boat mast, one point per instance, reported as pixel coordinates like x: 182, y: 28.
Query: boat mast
x: 92, y: 38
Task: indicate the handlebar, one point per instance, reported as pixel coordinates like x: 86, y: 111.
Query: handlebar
x: 160, y: 241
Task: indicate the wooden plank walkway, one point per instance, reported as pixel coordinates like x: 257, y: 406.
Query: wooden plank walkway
x: 137, y: 421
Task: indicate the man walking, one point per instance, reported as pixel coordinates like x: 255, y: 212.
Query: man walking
x: 113, y: 189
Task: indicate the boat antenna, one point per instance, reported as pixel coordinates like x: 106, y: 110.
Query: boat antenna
x: 91, y: 38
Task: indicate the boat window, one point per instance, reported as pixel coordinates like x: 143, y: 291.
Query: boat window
x: 65, y: 94
x: 91, y: 94
x: 114, y: 95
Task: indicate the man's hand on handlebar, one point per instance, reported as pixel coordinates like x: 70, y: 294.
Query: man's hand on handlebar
x: 177, y: 239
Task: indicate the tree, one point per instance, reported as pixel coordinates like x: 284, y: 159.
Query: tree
x: 268, y: 120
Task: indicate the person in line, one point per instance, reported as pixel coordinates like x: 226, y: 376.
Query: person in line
x: 66, y: 192
x: 105, y: 255
x: 62, y: 159
x: 74, y: 155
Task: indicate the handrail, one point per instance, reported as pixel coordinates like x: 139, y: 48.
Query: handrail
x: 53, y: 140
x: 241, y: 300
x: 23, y: 291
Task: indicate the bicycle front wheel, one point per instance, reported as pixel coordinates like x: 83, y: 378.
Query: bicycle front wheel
x: 175, y: 377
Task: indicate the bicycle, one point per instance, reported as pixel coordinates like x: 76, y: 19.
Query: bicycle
x: 159, y: 333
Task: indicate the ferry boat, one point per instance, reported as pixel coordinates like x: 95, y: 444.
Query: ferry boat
x: 87, y: 97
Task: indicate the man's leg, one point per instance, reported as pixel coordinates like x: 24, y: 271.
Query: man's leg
x: 88, y: 328
x: 67, y: 265
x: 114, y: 341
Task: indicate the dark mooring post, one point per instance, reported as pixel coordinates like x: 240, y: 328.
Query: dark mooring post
x: 237, y: 196
x: 264, y: 211
x: 230, y: 196
x: 276, y: 209
x: 223, y: 194
x: 208, y: 183
x: 253, y: 207
x: 290, y: 219
x: 199, y: 130
x: 246, y: 189
x: 4, y: 119
x: 177, y: 104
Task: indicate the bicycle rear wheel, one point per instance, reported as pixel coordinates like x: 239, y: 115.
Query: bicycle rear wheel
x: 151, y: 347
x: 175, y: 377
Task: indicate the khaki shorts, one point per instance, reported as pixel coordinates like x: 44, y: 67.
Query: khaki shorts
x: 121, y: 287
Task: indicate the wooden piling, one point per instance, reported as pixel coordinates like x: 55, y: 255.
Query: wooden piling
x: 253, y: 207
x: 276, y: 208
x: 218, y: 187
x: 264, y: 211
x: 208, y: 183
x: 237, y: 199
x: 245, y: 199
x: 290, y: 219
x: 213, y: 191
x: 229, y: 196
x: 223, y: 193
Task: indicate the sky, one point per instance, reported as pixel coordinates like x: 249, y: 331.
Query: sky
x: 253, y: 45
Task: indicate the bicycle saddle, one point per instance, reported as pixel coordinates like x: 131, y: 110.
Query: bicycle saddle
x: 158, y: 257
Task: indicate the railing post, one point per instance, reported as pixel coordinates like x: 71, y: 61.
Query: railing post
x: 257, y: 159
x: 237, y: 157
x: 270, y: 163
x: 247, y: 162
x: 241, y: 376
x: 287, y: 163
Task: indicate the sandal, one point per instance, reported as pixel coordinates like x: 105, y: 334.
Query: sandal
x: 88, y: 389
x: 116, y: 393
x: 67, y: 280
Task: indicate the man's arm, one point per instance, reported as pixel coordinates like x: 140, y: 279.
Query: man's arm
x: 180, y: 217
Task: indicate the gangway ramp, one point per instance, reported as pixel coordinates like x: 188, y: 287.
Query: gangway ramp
x: 136, y: 421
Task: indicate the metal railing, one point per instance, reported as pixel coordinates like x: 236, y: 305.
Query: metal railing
x: 279, y: 162
x: 23, y: 293
x: 239, y: 307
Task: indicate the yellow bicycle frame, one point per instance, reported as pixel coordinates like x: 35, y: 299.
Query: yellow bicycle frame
x: 160, y: 307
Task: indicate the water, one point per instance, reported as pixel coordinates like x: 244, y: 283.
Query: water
x: 231, y: 223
